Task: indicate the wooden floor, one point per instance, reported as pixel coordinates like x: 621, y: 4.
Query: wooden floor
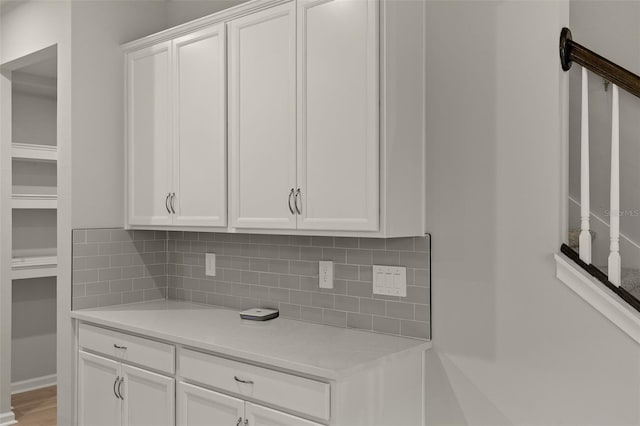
x: 36, y: 408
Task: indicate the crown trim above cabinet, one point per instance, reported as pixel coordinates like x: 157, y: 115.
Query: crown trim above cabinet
x: 324, y: 135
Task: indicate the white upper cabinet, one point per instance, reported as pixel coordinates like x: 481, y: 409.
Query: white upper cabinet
x: 262, y: 118
x: 149, y: 134
x: 200, y: 140
x: 303, y: 116
x: 338, y: 143
x: 176, y: 120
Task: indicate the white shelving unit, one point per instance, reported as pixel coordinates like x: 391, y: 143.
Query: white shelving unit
x: 33, y: 152
x: 34, y: 267
x: 34, y: 201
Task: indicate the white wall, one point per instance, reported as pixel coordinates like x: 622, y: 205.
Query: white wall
x: 33, y: 343
x: 610, y: 28
x: 181, y: 11
x: 512, y: 345
x: 99, y: 28
x: 33, y: 119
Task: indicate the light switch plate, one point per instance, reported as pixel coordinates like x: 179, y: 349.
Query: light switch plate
x: 210, y: 262
x: 325, y: 280
x: 390, y: 280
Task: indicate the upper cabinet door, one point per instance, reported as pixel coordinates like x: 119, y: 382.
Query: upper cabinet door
x: 200, y: 139
x: 148, y: 398
x: 98, y: 403
x: 262, y: 118
x: 200, y: 407
x: 338, y: 108
x: 149, y: 134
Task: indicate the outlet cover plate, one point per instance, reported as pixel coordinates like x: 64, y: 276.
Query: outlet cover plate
x: 325, y: 280
x: 390, y: 280
x: 210, y: 264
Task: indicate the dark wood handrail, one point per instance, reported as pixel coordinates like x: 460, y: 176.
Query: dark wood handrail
x: 570, y: 52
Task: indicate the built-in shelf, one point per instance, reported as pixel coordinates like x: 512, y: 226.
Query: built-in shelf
x: 34, y: 267
x: 27, y: 151
x: 34, y: 201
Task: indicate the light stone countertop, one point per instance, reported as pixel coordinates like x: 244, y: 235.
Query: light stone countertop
x: 311, y: 349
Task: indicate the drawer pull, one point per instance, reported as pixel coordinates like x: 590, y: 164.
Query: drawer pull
x: 119, y: 386
x: 119, y: 347
x: 247, y: 382
x: 114, y: 387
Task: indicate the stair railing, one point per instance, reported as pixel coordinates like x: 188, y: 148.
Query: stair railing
x: 570, y: 52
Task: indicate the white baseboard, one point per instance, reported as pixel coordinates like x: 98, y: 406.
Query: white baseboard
x: 7, y: 419
x: 32, y: 384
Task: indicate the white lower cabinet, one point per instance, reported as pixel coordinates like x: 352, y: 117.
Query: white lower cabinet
x: 147, y: 398
x: 198, y: 406
x: 111, y: 394
x: 257, y: 415
x: 98, y: 402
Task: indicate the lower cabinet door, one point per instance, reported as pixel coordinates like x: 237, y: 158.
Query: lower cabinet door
x: 98, y: 402
x: 262, y: 416
x: 148, y: 398
x: 202, y: 407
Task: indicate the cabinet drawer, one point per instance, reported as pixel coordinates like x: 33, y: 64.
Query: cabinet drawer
x: 136, y: 350
x: 272, y: 387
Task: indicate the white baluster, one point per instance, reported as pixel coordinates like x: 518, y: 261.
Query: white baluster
x: 615, y: 267
x: 585, y: 209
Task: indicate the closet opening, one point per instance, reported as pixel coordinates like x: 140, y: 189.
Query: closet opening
x: 33, y: 263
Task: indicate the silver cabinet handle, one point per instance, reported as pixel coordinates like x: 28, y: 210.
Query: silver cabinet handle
x: 239, y: 421
x: 119, y: 347
x: 291, y: 208
x: 119, y: 386
x: 246, y: 422
x: 298, y: 209
x: 114, y: 386
x: 166, y: 202
x: 173, y: 197
x: 247, y: 382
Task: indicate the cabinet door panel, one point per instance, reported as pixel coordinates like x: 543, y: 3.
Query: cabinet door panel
x: 262, y: 118
x: 98, y: 404
x: 149, y: 398
x: 338, y: 147
x: 262, y: 416
x: 149, y: 137
x: 202, y: 407
x: 200, y: 155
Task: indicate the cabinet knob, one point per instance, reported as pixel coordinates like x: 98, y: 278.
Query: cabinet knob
x: 166, y: 202
x: 173, y: 197
x: 119, y: 347
x: 239, y: 421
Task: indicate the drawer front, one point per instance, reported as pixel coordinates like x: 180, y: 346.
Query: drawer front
x: 284, y: 390
x: 136, y: 350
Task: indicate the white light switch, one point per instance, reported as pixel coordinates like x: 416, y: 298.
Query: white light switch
x: 210, y: 262
x: 390, y: 280
x: 326, y: 274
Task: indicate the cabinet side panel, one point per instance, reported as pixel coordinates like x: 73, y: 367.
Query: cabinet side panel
x: 403, y: 117
x: 391, y: 394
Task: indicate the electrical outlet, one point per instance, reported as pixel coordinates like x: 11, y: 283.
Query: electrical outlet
x: 210, y: 262
x: 326, y: 274
x: 390, y: 280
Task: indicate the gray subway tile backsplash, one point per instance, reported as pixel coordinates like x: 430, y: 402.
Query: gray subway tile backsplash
x: 279, y: 271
